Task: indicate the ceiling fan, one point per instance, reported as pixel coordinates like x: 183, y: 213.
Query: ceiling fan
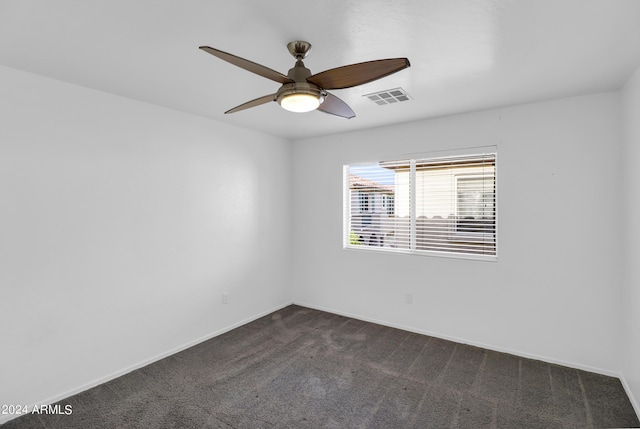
x: 303, y: 92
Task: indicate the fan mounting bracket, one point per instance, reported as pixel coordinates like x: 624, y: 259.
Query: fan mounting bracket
x: 299, y: 49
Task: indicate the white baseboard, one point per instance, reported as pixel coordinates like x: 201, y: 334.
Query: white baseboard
x: 632, y: 398
x: 94, y: 383
x: 465, y: 341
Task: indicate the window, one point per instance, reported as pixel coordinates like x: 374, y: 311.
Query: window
x: 364, y: 202
x: 432, y: 205
x: 387, y: 203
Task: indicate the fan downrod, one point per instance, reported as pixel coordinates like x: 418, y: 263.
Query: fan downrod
x: 299, y: 49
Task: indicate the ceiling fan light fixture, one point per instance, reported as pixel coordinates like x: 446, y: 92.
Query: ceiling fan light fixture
x: 300, y: 103
x: 299, y: 97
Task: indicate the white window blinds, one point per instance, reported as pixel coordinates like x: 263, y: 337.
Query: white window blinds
x: 443, y: 205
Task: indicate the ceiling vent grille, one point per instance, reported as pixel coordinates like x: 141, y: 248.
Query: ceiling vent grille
x: 388, y: 96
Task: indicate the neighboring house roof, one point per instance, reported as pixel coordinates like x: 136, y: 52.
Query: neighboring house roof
x: 357, y: 182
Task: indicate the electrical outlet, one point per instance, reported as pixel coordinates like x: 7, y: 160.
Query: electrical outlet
x: 408, y: 298
x: 225, y: 298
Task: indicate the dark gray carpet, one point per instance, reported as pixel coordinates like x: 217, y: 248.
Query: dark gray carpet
x: 302, y: 368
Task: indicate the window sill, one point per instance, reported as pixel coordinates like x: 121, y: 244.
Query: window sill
x: 429, y: 253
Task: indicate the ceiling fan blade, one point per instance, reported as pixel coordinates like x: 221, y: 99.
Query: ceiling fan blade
x: 334, y: 106
x: 248, y: 65
x: 358, y: 74
x: 253, y: 103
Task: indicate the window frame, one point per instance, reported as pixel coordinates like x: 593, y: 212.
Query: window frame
x: 490, y: 153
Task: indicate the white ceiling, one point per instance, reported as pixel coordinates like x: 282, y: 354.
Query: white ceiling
x: 465, y: 55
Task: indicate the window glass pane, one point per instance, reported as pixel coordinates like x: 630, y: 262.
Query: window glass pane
x: 431, y: 205
x: 373, y: 221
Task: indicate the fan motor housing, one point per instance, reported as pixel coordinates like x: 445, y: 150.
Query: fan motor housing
x: 299, y: 73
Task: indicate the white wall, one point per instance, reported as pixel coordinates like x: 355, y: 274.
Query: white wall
x: 555, y: 291
x: 122, y: 225
x: 631, y: 151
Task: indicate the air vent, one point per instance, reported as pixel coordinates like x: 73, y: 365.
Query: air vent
x: 388, y: 96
